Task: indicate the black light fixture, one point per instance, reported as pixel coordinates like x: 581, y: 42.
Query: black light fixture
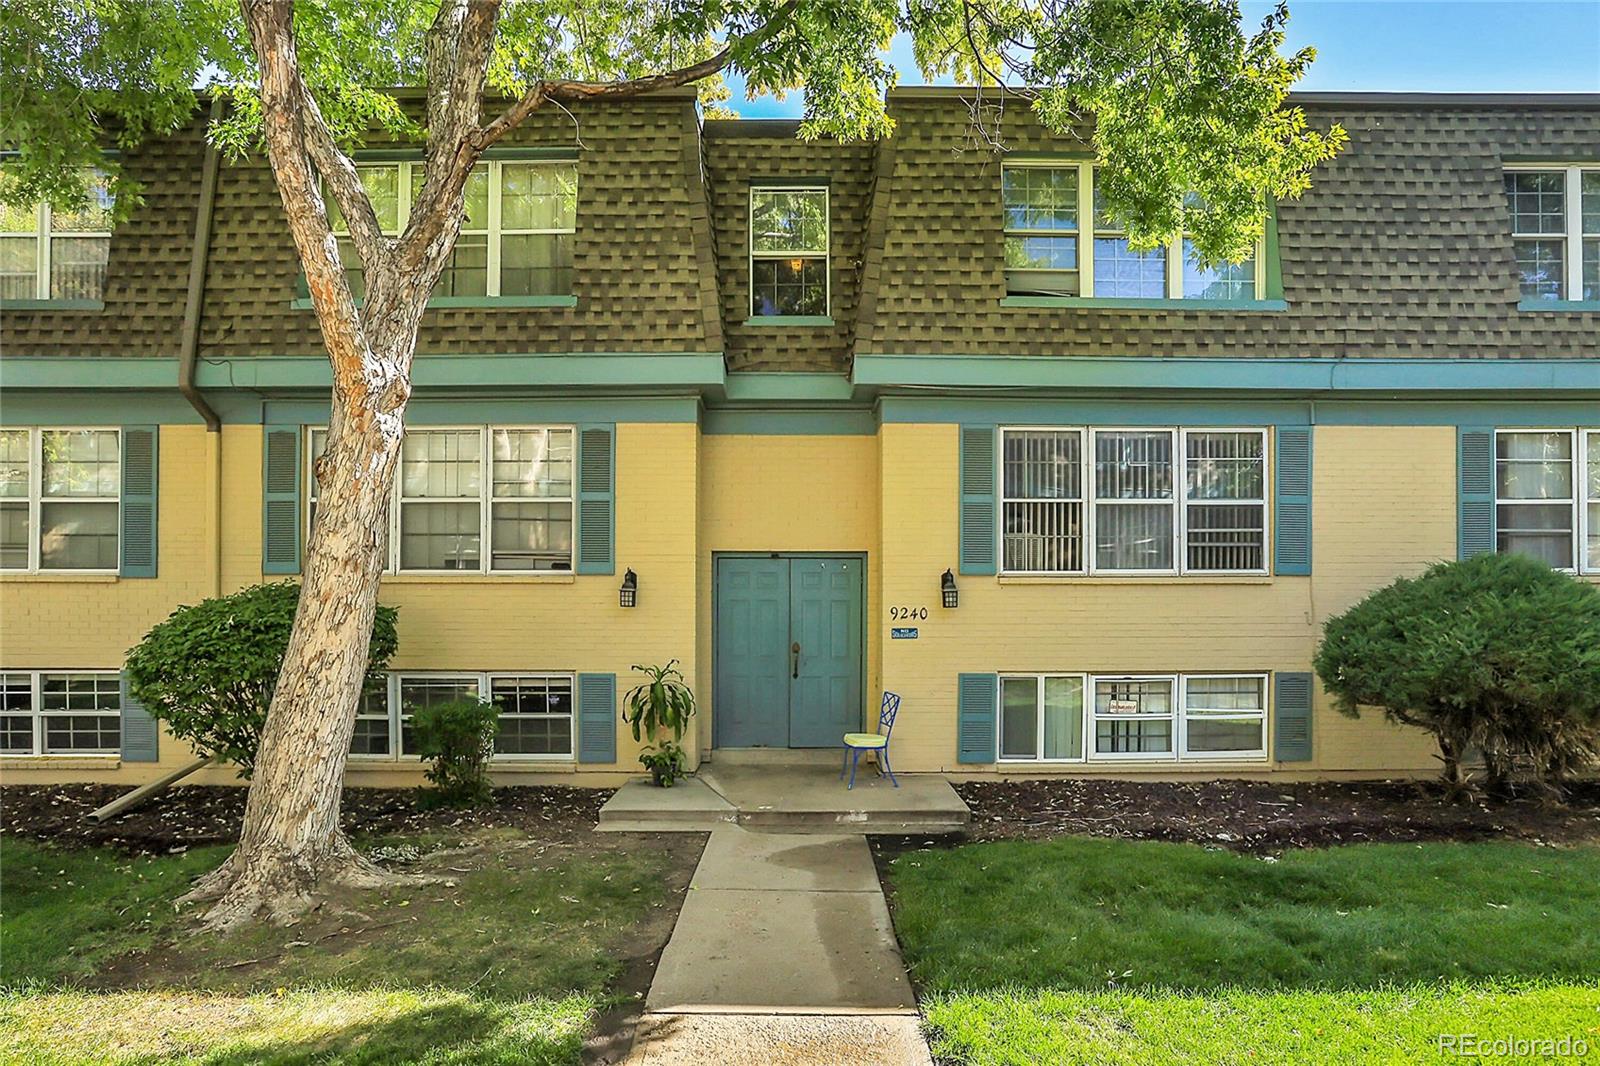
x: 947, y: 585
x: 628, y: 594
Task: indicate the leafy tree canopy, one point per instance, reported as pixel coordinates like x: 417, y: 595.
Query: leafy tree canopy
x: 1498, y: 653
x: 1188, y: 103
x: 209, y: 670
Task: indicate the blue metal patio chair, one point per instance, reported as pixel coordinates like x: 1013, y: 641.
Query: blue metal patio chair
x: 856, y: 743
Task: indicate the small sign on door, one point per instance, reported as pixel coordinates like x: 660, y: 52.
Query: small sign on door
x: 903, y: 633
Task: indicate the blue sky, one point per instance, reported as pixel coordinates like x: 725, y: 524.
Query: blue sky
x: 1401, y: 45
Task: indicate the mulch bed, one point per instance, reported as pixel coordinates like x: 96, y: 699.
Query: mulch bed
x: 195, y: 815
x: 1269, y: 816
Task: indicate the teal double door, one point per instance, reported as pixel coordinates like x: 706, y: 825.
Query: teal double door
x: 788, y: 650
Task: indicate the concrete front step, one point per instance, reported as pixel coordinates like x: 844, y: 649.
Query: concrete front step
x: 787, y: 799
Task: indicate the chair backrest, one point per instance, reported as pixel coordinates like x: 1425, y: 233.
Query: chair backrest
x: 886, y: 714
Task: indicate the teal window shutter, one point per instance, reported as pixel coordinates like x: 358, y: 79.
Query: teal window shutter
x: 977, y: 696
x: 1291, y: 542
x: 597, y: 501
x: 1292, y: 707
x: 977, y: 500
x: 280, y: 506
x: 141, y: 463
x: 1475, y: 519
x: 597, y: 718
x: 140, y: 737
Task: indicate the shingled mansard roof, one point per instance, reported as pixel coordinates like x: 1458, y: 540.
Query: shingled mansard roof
x: 1402, y: 247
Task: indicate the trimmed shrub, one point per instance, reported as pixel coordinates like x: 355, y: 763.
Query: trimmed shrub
x: 1497, y: 654
x: 457, y: 737
x: 210, y: 669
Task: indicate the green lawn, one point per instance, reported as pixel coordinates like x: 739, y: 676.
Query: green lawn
x: 511, y: 965
x: 1079, y: 950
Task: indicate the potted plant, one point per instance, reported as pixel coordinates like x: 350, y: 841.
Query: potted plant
x: 661, y: 704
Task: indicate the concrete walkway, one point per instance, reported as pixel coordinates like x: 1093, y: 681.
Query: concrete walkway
x: 783, y: 953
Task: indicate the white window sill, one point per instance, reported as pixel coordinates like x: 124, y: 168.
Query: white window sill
x: 448, y: 577
x: 1134, y: 579
x: 1112, y: 764
x: 93, y: 577
x: 60, y: 762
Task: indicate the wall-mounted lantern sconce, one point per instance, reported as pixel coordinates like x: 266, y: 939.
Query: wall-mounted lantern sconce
x: 947, y: 585
x: 628, y: 594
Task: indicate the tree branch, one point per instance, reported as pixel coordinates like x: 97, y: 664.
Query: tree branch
x: 270, y: 24
x: 578, y: 91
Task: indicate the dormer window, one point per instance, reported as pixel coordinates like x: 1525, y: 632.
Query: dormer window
x: 49, y: 253
x: 789, y: 251
x: 1045, y: 207
x: 1555, y: 231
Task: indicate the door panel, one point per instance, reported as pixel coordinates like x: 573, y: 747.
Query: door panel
x: 752, y: 653
x: 825, y: 620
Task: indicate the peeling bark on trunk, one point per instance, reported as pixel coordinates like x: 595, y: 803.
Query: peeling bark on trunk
x: 291, y: 850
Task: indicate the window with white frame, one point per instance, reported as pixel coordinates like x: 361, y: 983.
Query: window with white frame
x: 517, y: 236
x: 51, y: 253
x: 1046, y: 717
x: 536, y: 718
x: 60, y: 713
x: 1127, y: 498
x: 446, y: 509
x: 1536, y: 495
x: 60, y: 499
x: 1132, y: 717
x: 1224, y: 716
x: 1044, y: 206
x: 1555, y: 230
x: 789, y: 238
x: 1041, y: 717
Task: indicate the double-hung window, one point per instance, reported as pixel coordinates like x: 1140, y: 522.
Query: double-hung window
x: 66, y: 713
x: 60, y: 499
x: 1224, y: 716
x: 789, y: 236
x: 1143, y: 501
x: 517, y: 233
x: 507, y: 487
x: 1049, y: 717
x: 1555, y: 231
x: 1051, y: 207
x: 1591, y: 505
x: 536, y: 718
x: 48, y: 253
x: 1535, y: 495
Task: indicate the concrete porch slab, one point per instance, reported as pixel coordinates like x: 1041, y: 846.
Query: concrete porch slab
x: 813, y: 799
x: 690, y: 806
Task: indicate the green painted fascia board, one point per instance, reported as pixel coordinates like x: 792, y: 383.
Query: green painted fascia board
x: 1130, y: 303
x: 789, y: 320
x: 52, y: 305
x: 303, y: 303
x: 793, y: 386
x: 1232, y: 375
x: 1558, y: 305
x: 1110, y: 411
x: 571, y: 370
x: 88, y: 372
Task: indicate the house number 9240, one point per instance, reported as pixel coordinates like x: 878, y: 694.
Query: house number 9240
x: 906, y: 614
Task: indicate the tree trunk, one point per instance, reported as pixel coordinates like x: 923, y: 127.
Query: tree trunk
x: 291, y: 849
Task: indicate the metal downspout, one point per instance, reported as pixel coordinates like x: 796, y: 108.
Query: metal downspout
x: 189, y: 340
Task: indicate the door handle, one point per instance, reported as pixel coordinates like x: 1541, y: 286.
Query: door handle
x: 794, y: 661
